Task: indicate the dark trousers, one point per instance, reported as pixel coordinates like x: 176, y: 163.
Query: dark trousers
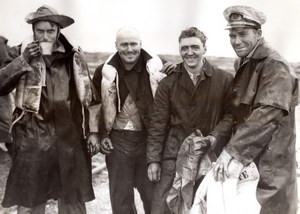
x: 127, y: 168
x: 161, y: 189
x: 63, y: 208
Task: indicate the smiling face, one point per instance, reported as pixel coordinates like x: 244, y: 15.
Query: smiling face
x: 191, y: 50
x: 243, y: 40
x: 128, y: 45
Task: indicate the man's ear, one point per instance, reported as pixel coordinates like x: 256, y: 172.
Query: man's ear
x: 205, y: 48
x: 259, y: 33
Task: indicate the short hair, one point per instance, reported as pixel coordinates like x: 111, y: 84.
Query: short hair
x: 193, y: 32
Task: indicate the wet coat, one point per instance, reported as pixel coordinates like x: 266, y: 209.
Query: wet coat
x: 51, y: 158
x: 180, y: 108
x: 6, y: 104
x: 265, y: 94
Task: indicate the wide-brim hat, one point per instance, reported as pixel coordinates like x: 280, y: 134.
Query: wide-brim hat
x: 47, y: 13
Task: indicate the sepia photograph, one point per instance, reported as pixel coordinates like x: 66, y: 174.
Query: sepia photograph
x: 149, y: 107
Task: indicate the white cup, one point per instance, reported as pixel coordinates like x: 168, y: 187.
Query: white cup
x: 46, y: 48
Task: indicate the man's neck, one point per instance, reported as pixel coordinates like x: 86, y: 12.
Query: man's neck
x: 128, y: 66
x: 195, y: 70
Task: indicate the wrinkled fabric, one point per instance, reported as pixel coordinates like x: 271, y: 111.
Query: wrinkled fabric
x: 107, y: 82
x: 192, y: 163
x: 265, y: 93
x: 233, y: 196
x: 51, y: 159
x: 114, y: 83
x: 6, y: 102
x: 180, y: 108
x: 127, y: 161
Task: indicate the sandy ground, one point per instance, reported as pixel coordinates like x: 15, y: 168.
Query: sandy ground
x: 101, y: 205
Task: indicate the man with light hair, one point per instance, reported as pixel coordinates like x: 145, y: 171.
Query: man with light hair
x: 265, y: 93
x: 127, y: 82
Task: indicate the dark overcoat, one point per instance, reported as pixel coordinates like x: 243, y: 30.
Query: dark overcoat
x: 180, y: 108
x: 6, y: 104
x: 265, y: 93
x: 51, y: 159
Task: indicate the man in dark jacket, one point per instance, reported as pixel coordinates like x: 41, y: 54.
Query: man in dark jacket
x: 51, y: 159
x: 265, y: 93
x: 127, y: 82
x: 6, y: 103
x: 194, y: 97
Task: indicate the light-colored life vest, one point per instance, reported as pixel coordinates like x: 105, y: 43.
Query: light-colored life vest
x: 29, y: 88
x: 110, y: 88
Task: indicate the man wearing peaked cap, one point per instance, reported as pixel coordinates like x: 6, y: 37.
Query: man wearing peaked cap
x: 264, y: 96
x: 51, y: 159
x: 243, y: 16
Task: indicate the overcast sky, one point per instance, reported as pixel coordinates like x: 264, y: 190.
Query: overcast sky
x: 159, y: 22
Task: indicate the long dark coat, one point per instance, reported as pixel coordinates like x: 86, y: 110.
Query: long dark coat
x: 180, y: 108
x: 265, y: 93
x: 6, y: 105
x: 51, y: 158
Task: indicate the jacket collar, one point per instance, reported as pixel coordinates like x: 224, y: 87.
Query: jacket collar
x: 206, y: 69
x: 261, y: 51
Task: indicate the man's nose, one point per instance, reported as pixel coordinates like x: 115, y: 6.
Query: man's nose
x: 46, y: 37
x: 237, y: 40
x: 190, y: 50
x: 129, y: 48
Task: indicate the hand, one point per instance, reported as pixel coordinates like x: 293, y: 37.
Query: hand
x: 220, y: 169
x: 213, y: 141
x: 235, y: 168
x: 3, y: 147
x: 168, y: 68
x: 31, y: 51
x: 93, y: 144
x: 106, y: 146
x: 154, y: 172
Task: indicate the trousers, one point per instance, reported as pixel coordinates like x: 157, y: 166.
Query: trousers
x: 127, y: 169
x: 63, y: 208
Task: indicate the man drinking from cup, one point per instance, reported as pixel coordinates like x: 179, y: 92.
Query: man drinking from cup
x: 49, y: 129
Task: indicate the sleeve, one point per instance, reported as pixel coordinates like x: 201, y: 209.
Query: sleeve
x: 3, y: 51
x: 252, y: 136
x: 271, y: 101
x: 11, y: 74
x: 276, y: 86
x: 159, y: 121
x: 95, y: 109
x: 225, y: 125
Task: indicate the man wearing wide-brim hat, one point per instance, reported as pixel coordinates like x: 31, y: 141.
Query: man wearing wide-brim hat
x: 53, y: 98
x: 264, y: 97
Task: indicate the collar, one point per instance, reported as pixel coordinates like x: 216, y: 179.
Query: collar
x: 59, y: 47
x: 260, y: 51
x: 116, y: 62
x: 252, y: 52
x: 206, y: 68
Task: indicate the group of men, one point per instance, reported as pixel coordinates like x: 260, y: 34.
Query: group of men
x: 138, y: 112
